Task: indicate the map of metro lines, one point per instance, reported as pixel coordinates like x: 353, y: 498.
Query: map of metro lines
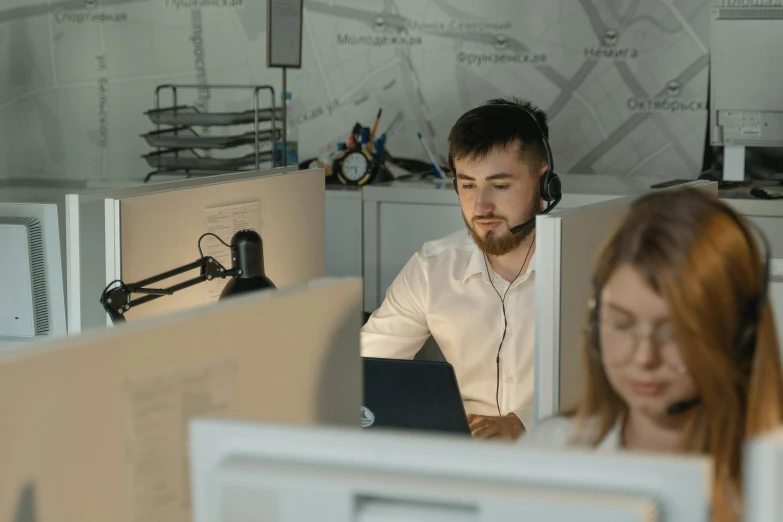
x: 624, y: 81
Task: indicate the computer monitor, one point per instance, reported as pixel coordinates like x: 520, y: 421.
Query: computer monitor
x: 32, y: 302
x: 94, y: 426
x: 746, y: 109
x: 135, y: 233
x: 242, y: 471
x: 567, y: 243
x: 762, y: 478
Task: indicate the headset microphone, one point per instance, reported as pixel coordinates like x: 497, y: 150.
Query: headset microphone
x: 682, y: 406
x: 531, y: 223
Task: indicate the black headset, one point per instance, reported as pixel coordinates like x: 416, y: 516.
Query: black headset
x: 747, y: 335
x: 550, y: 187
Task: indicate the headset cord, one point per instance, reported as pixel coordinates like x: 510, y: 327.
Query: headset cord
x: 505, y: 321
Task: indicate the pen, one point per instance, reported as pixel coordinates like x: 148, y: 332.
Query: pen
x: 372, y: 132
x: 431, y: 156
x: 375, y: 125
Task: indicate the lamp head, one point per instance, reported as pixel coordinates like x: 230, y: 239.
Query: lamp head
x: 247, y: 255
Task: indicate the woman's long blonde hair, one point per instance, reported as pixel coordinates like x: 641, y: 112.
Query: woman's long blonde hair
x: 702, y: 258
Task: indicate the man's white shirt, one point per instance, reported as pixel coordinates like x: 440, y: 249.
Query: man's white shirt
x: 445, y: 291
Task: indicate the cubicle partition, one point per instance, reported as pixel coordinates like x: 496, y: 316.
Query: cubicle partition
x: 567, y: 244
x: 158, y: 232
x: 94, y: 427
x: 164, y: 223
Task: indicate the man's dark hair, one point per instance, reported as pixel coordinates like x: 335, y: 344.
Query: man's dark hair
x: 497, y: 124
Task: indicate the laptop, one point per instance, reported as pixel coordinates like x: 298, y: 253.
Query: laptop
x: 418, y: 395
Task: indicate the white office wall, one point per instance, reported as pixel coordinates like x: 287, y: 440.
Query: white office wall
x: 76, y: 88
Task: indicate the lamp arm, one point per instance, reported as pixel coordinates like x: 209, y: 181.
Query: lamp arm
x: 117, y: 301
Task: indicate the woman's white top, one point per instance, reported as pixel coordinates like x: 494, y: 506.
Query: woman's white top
x: 555, y: 433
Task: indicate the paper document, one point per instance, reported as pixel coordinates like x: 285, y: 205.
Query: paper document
x: 159, y: 409
x: 225, y: 222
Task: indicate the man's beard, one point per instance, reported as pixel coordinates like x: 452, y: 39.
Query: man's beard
x: 499, y: 245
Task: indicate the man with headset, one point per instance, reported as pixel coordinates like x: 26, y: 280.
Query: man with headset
x: 473, y: 290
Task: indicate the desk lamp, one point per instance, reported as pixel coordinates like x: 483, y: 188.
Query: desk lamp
x: 246, y: 273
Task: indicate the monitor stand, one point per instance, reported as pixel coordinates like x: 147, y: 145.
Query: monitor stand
x: 734, y: 163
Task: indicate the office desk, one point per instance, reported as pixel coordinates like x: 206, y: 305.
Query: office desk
x: 400, y: 216
x: 766, y: 213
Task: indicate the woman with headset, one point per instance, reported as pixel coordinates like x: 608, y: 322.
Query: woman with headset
x: 681, y: 353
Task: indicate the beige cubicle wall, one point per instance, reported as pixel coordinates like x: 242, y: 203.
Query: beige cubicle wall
x: 94, y: 426
x: 160, y: 231
x: 93, y: 233
x: 567, y: 245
